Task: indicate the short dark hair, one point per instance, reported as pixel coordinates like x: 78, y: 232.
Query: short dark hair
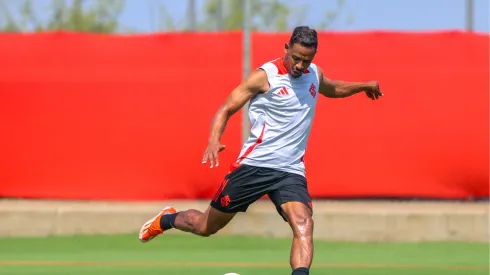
x: 305, y: 36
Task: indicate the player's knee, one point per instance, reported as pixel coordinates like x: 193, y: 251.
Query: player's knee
x: 302, y: 225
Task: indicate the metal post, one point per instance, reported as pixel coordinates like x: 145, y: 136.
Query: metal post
x: 246, y: 63
x: 469, y: 15
x: 158, y: 21
x: 219, y: 19
x: 151, y: 11
x: 191, y: 14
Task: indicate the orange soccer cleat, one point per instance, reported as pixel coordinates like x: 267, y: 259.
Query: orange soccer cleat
x: 152, y: 228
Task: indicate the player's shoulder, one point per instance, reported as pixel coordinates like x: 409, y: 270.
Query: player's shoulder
x: 274, y: 67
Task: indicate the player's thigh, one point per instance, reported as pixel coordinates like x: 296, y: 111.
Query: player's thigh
x: 292, y: 198
x: 213, y: 220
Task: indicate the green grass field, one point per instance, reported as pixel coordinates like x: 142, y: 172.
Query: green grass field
x: 217, y: 255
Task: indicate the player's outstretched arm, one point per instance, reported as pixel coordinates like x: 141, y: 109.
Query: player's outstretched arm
x: 340, y: 89
x: 255, y: 83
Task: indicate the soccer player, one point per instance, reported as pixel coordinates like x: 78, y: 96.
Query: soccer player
x: 283, y: 95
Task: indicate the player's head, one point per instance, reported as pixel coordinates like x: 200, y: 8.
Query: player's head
x: 300, y: 50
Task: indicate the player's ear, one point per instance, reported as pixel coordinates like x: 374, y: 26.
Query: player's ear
x: 286, y: 48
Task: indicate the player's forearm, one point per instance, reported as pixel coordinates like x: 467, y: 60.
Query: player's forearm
x: 345, y: 89
x: 218, y: 125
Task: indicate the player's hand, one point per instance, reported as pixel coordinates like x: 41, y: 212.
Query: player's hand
x: 211, y: 153
x: 372, y: 90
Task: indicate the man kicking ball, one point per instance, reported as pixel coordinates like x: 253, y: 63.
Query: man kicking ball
x: 283, y: 95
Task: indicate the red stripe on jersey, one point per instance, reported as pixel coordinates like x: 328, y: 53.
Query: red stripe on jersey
x: 251, y: 148
x: 280, y: 66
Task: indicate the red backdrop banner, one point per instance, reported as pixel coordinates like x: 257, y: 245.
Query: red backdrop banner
x: 87, y: 116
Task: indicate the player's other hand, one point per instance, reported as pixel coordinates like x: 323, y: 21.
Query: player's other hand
x: 211, y: 153
x: 372, y: 90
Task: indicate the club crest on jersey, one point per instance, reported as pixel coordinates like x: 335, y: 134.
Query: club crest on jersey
x: 313, y: 90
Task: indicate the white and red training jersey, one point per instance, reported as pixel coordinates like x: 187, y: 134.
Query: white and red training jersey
x: 281, y: 120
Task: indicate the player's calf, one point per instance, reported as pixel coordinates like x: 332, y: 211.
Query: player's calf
x: 302, y: 250
x: 193, y: 221
x: 301, y: 222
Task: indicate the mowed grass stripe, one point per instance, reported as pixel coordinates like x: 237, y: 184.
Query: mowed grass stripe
x: 236, y: 264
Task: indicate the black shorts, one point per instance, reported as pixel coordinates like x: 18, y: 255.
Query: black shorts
x: 246, y: 184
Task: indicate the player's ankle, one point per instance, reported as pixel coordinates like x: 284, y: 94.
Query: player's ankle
x: 168, y: 221
x: 301, y: 271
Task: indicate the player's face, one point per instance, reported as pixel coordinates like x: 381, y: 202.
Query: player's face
x: 298, y: 58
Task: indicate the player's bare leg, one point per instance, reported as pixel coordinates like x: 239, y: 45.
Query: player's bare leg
x: 191, y: 220
x: 300, y: 219
x: 202, y: 224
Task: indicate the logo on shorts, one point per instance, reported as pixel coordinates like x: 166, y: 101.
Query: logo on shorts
x: 225, y: 201
x: 313, y: 90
